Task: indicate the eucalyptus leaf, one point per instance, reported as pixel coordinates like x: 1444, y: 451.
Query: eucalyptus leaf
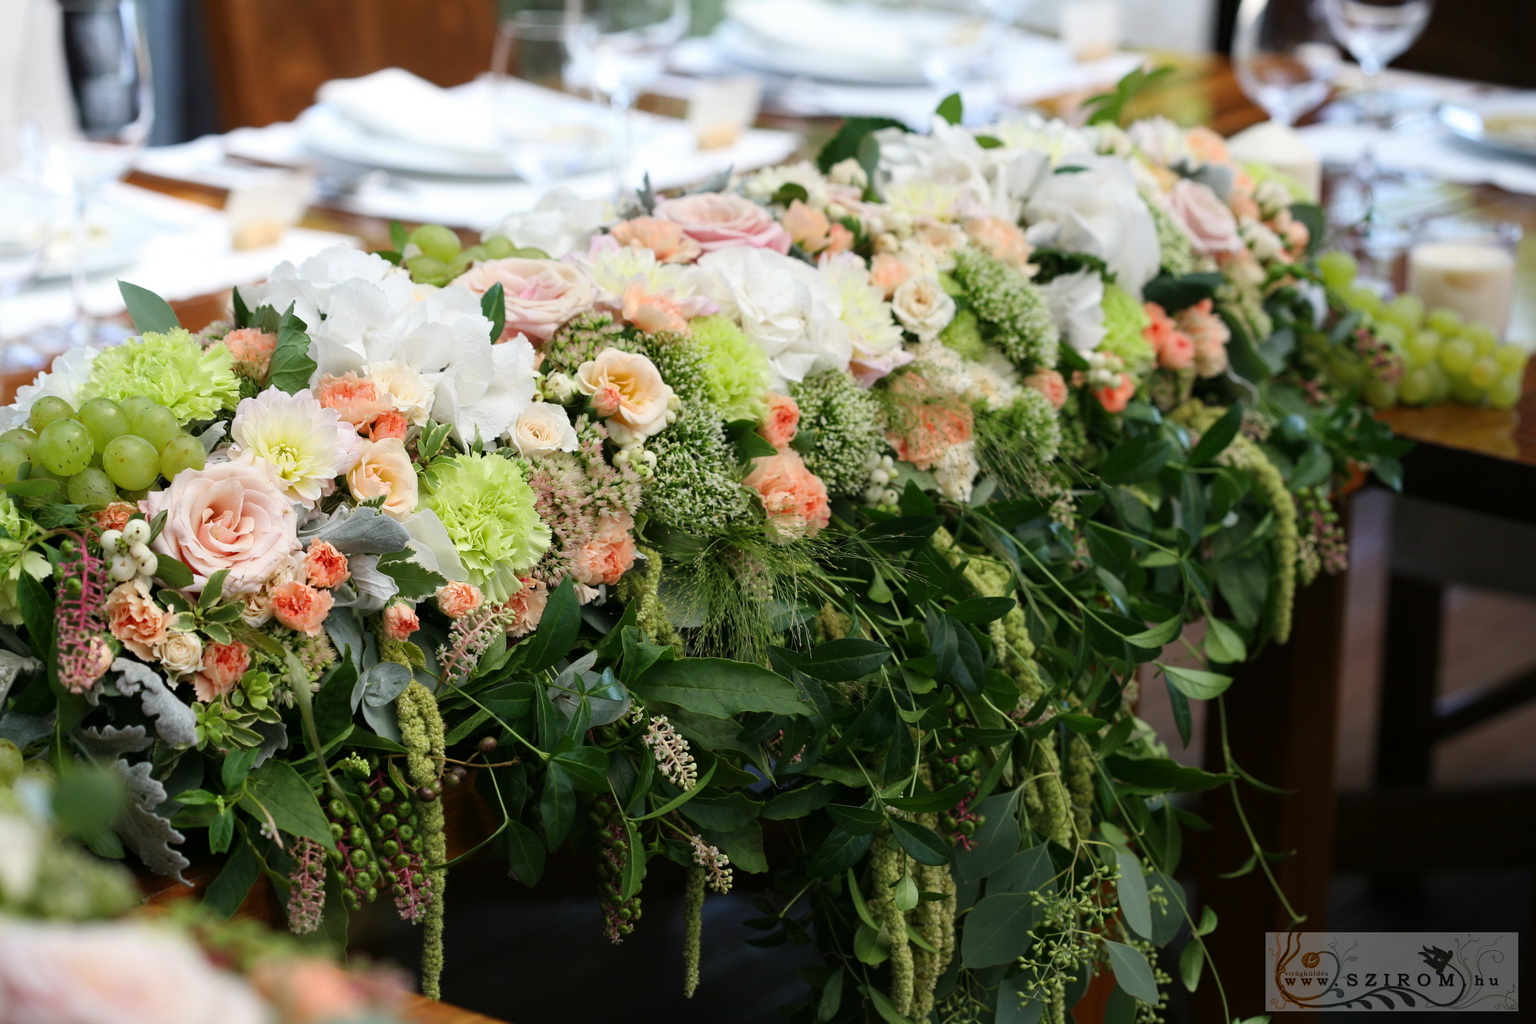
x: 998, y: 930
x: 1132, y: 971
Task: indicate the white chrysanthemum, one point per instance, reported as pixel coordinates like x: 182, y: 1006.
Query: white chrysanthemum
x: 872, y: 329
x: 63, y: 380
x: 918, y: 198
x: 614, y: 268
x: 309, y: 286
x: 307, y: 445
x: 765, y: 184
x: 410, y: 392
x: 1030, y: 132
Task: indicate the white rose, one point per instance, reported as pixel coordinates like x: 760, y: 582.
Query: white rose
x: 922, y: 306
x: 543, y: 427
x: 1097, y: 211
x: 558, y: 223
x: 181, y: 653
x: 783, y: 305
x: 410, y: 392
x: 1077, y: 306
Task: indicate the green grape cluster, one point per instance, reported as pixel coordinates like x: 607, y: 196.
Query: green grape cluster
x: 100, y: 448
x: 441, y: 257
x: 1445, y: 356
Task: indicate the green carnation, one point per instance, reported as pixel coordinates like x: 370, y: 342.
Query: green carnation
x: 16, y: 557
x: 488, y: 510
x: 172, y: 369
x: 1125, y: 323
x: 1177, y: 252
x: 963, y: 335
x: 735, y: 370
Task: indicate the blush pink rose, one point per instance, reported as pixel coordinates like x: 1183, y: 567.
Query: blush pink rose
x: 719, y: 220
x: 525, y: 608
x: 458, y: 599
x: 794, y: 498
x: 223, y: 667
x: 1175, y: 351
x: 782, y: 422
x: 541, y: 295
x: 1116, y: 398
x: 808, y: 227
x: 228, y: 515
x: 252, y: 347
x: 400, y: 621
x: 1208, y: 146
x: 136, y: 620
x: 1206, y: 219
x: 301, y: 607
x: 662, y: 237
x: 1050, y: 384
x: 608, y: 555
x: 324, y: 566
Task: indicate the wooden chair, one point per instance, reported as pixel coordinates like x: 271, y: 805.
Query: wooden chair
x: 269, y: 56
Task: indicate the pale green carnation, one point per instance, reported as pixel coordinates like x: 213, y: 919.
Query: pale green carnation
x: 489, y: 512
x: 735, y: 370
x: 1125, y: 322
x: 172, y: 369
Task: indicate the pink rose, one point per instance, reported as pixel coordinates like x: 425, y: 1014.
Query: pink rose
x: 252, y: 347
x: 135, y: 619
x: 719, y: 220
x: 1115, y: 399
x: 794, y: 498
x: 301, y: 607
x: 223, y: 667
x: 228, y: 515
x: 662, y: 237
x: 324, y: 566
x: 400, y: 621
x: 385, y: 470
x: 808, y: 227
x: 1175, y: 351
x: 541, y: 295
x: 608, y: 555
x: 1050, y: 384
x: 782, y: 422
x: 355, y: 399
x: 1206, y: 219
x: 526, y: 607
x: 458, y: 599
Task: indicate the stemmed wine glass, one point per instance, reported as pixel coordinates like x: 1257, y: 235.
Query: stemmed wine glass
x: 618, y: 47
x: 1376, y: 32
x: 85, y: 103
x: 1283, y: 56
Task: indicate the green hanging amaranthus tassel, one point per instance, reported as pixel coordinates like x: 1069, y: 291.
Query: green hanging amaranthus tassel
x: 422, y: 733
x: 885, y: 867
x: 693, y: 929
x: 641, y: 586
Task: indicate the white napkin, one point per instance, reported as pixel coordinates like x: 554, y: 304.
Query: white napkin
x: 396, y: 103
x: 883, y: 37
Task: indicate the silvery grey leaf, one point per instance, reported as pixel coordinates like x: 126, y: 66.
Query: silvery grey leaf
x: 213, y: 435
x: 112, y: 741
x: 368, y: 590
x: 384, y: 682
x: 346, y: 633
x: 274, y: 737
x: 174, y: 721
x: 144, y: 832
x: 24, y: 729
x: 360, y: 531
x: 11, y: 666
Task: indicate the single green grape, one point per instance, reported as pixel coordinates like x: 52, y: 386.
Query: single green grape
x: 1465, y: 392
x: 1338, y: 269
x: 472, y: 253
x: 11, y: 763
x: 1416, y: 386
x: 1439, y: 383
x: 1408, y: 310
x: 65, y: 447
x: 429, y: 270
x: 436, y: 241
x: 1511, y: 360
x: 1445, y: 320
x: 49, y: 409
x: 1505, y: 393
x: 1482, y: 338
x: 131, y: 462
x: 1456, y: 356
x: 21, y: 437
x: 12, y: 459
x: 1422, y: 347
x: 498, y: 248
x: 104, y: 419
x: 458, y: 265
x: 136, y: 406
x: 1392, y: 335
x: 155, y: 424
x: 1380, y: 395
x: 182, y: 452
x: 91, y: 487
x: 1483, y: 373
x: 1363, y: 299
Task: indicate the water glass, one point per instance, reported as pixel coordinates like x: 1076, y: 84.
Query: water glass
x: 1283, y: 56
x: 1376, y: 32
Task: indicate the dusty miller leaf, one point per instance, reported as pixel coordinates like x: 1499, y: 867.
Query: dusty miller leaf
x: 366, y: 531
x: 174, y: 721
x: 112, y: 741
x: 146, y: 833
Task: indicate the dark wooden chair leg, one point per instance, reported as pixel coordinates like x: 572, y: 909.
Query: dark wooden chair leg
x: 1410, y: 671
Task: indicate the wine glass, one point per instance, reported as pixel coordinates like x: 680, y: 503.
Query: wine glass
x: 618, y: 47
x: 1283, y: 56
x: 85, y: 107
x: 1376, y: 32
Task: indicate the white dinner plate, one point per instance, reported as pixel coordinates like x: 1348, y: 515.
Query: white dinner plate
x: 114, y: 238
x: 1506, y: 123
x: 740, y: 45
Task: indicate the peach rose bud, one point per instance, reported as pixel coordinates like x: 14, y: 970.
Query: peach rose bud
x: 400, y: 621
x: 1115, y: 399
x: 301, y: 607
x: 457, y: 599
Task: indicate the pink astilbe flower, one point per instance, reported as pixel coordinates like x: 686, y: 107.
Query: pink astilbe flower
x: 306, y: 898
x: 83, y: 655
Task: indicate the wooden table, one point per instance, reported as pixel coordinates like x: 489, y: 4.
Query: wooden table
x: 1283, y: 712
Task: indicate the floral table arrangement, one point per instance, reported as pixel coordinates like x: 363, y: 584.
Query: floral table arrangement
x: 816, y: 524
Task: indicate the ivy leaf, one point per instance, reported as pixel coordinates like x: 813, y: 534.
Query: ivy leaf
x: 414, y: 580
x: 148, y: 311
x: 1132, y: 971
x: 292, y: 368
